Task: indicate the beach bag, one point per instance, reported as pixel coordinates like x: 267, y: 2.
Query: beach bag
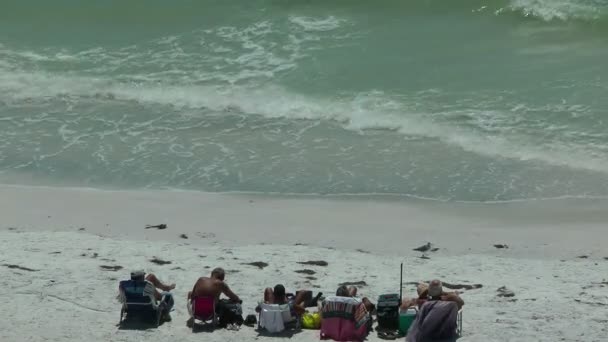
x: 229, y: 313
x: 311, y: 320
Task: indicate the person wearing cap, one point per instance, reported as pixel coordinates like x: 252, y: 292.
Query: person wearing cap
x: 156, y: 288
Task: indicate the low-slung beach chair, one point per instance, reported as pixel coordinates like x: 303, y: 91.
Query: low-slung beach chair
x: 436, y: 320
x: 275, y: 318
x: 137, y: 297
x: 344, y: 319
x: 203, y: 310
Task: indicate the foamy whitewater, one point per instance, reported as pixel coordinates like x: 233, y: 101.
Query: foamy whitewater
x: 282, y: 131
x: 467, y: 101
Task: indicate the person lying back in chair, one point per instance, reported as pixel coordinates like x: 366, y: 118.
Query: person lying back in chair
x: 156, y: 288
x: 351, y: 291
x: 434, y: 291
x: 278, y: 296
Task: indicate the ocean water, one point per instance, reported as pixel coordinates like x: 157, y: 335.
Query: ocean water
x: 465, y: 100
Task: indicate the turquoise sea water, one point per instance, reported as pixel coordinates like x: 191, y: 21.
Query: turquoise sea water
x: 464, y: 100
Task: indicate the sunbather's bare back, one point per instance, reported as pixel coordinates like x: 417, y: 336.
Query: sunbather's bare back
x: 213, y: 286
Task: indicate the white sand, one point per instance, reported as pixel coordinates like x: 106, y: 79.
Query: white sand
x: 69, y: 298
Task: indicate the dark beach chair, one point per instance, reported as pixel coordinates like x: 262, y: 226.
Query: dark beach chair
x: 138, y: 302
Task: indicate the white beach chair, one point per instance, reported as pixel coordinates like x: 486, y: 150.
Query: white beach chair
x: 275, y: 318
x: 459, y: 323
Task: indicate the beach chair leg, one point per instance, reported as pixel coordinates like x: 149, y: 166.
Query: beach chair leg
x: 122, y: 313
x: 159, y: 315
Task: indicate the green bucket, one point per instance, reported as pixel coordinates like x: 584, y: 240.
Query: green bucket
x: 406, y: 318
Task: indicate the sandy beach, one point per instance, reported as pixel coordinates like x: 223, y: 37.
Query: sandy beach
x: 55, y: 242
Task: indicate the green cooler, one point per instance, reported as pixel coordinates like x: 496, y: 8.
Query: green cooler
x: 406, y: 318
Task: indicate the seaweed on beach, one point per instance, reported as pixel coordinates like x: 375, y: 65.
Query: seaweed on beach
x: 451, y: 286
x: 314, y: 263
x: 305, y: 271
x: 156, y: 226
x: 159, y: 261
x: 20, y: 267
x: 504, y: 292
x: 111, y: 268
x: 258, y: 264
x: 353, y: 283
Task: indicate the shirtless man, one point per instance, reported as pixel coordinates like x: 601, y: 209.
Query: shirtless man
x: 213, y: 286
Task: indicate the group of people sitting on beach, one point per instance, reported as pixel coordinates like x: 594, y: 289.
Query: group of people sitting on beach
x: 215, y: 286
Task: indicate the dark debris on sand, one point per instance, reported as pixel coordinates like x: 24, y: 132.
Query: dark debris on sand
x: 314, y: 263
x: 183, y: 236
x: 354, y: 283
x: 452, y: 286
x: 159, y: 261
x: 19, y: 267
x: 590, y: 303
x: 258, y: 264
x: 501, y: 246
x: 583, y: 256
x: 504, y: 292
x: 111, y: 268
x: 362, y: 251
x: 305, y: 271
x: 311, y: 278
x: 157, y: 226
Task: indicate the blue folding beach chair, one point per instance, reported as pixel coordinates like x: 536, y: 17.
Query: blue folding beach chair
x: 138, y: 302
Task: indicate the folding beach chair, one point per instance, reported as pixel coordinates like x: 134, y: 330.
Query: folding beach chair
x: 203, y: 309
x: 344, y: 319
x: 459, y: 323
x: 275, y: 318
x: 138, y: 301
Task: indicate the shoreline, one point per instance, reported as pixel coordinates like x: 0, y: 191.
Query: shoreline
x: 556, y: 229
